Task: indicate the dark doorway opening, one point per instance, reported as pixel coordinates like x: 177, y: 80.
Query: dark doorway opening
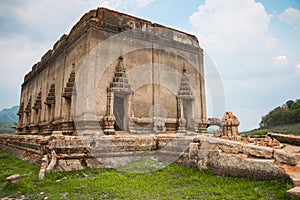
x: 119, y: 113
x: 187, y: 114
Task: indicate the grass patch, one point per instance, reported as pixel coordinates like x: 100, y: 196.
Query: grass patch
x: 255, y: 134
x: 171, y: 182
x: 142, y: 166
x: 283, y: 129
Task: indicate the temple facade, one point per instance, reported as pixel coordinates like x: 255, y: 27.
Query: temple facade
x: 158, y: 88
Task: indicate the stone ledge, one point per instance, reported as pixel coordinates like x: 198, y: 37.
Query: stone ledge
x: 228, y: 146
x: 282, y: 156
x: 258, y: 151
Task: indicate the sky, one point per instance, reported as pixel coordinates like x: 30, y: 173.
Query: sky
x: 254, y: 45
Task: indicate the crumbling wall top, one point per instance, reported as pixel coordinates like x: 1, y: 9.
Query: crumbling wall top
x: 114, y: 21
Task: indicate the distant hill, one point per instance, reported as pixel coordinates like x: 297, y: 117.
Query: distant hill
x: 9, y: 114
x: 8, y: 119
x: 288, y: 113
x: 282, y: 119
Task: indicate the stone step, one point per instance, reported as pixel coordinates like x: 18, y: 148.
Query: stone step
x: 293, y: 172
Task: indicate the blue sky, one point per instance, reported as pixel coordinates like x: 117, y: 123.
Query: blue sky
x: 254, y: 45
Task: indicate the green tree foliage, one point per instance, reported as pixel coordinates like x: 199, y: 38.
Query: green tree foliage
x: 289, y: 113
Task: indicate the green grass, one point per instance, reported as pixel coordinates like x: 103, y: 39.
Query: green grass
x: 171, y: 182
x: 284, y: 129
x: 255, y: 134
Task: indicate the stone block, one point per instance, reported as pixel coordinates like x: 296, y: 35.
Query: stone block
x: 209, y: 143
x: 228, y: 146
x: 69, y: 165
x: 258, y: 151
x: 282, y: 156
x: 239, y: 166
x: 93, y: 163
x: 193, y: 153
x: 203, y: 158
x: 193, y: 150
x: 262, y: 169
x: 183, y: 159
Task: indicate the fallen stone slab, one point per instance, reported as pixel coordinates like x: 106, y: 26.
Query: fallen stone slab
x: 286, y: 138
x: 258, y: 151
x: 294, y: 193
x: 228, y: 146
x: 13, y: 178
x: 238, y: 166
x: 282, y: 156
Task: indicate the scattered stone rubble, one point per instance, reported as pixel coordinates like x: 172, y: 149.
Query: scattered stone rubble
x: 229, y: 154
x: 229, y: 130
x: 13, y: 178
x: 263, y: 158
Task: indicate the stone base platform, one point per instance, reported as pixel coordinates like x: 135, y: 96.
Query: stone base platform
x: 221, y: 156
x: 94, y: 151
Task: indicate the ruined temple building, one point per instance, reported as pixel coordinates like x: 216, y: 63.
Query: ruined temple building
x: 117, y: 90
x: 153, y: 80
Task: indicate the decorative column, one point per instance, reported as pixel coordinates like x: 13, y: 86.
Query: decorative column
x: 69, y: 96
x: 203, y: 118
x: 185, y: 94
x: 21, y: 118
x: 28, y: 112
x: 50, y: 102
x: 109, y: 119
x: 28, y: 117
x: 130, y: 106
x: 181, y: 122
x: 37, y: 109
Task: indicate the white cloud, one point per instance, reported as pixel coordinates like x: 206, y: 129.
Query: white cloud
x: 29, y: 28
x: 256, y: 72
x: 51, y: 20
x: 234, y: 33
x: 292, y: 17
x: 281, y: 58
x: 18, y: 54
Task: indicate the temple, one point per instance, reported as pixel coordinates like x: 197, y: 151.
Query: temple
x: 156, y: 87
x: 118, y: 89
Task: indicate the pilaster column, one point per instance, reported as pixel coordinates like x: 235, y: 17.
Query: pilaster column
x: 52, y: 108
x: 72, y: 106
x: 181, y: 121
x: 109, y: 119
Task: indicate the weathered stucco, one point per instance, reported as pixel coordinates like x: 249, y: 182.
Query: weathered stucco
x: 170, y: 51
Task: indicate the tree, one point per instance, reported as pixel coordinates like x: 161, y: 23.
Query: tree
x: 289, y: 113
